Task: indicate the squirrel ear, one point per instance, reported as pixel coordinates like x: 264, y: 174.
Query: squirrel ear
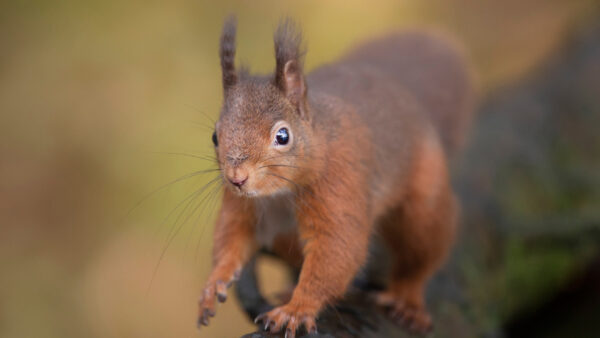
x: 227, y: 52
x: 293, y: 84
x: 288, y: 58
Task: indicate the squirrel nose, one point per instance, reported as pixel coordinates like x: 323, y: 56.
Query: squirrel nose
x: 238, y: 181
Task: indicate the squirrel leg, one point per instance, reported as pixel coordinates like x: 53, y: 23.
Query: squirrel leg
x: 420, y: 233
x: 234, y: 244
x: 335, y: 248
x: 324, y: 277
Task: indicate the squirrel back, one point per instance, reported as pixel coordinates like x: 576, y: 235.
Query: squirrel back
x: 428, y: 66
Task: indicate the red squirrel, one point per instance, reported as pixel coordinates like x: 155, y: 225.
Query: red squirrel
x: 356, y: 147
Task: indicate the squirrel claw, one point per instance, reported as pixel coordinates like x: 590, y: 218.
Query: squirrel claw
x: 259, y: 318
x: 204, y: 318
x: 221, y: 291
x: 213, y: 293
x: 288, y: 318
x: 414, y: 319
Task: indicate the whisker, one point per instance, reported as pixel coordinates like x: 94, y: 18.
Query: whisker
x: 279, y: 165
x: 173, y: 211
x: 192, y: 228
x: 278, y: 156
x: 285, y: 179
x: 209, y: 118
x: 205, y: 127
x: 207, y: 158
x: 299, y: 189
x: 214, y: 194
x: 164, y: 186
x: 206, y: 197
x: 171, y: 236
x: 199, y: 192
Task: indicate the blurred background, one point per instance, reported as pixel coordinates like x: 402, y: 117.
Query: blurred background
x: 100, y: 99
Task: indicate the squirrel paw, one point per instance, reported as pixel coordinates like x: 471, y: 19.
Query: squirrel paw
x: 213, y: 292
x: 413, y: 318
x: 289, y: 317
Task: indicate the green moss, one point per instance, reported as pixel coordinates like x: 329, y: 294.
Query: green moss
x: 531, y: 274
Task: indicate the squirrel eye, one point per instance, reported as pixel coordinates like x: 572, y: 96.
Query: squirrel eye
x: 282, y: 137
x: 214, y: 139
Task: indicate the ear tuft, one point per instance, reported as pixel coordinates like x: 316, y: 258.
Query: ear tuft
x: 288, y: 40
x: 227, y: 52
x: 289, y: 55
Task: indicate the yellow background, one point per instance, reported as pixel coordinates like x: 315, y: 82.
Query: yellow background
x: 94, y: 93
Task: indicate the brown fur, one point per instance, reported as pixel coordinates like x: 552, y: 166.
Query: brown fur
x: 367, y: 153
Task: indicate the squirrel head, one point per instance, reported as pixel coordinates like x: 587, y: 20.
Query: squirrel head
x: 262, y: 138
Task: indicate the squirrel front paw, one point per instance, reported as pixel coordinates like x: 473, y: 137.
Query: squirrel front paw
x: 289, y: 317
x: 214, y: 291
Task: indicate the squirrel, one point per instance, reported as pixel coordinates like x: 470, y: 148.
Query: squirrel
x: 315, y: 165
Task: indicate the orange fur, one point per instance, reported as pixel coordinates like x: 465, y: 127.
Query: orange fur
x: 420, y: 233
x: 364, y: 155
